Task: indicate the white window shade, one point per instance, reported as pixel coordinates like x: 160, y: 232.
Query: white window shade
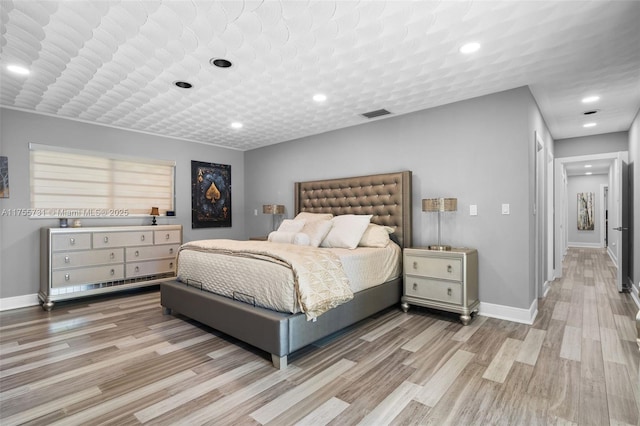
x: 81, y: 181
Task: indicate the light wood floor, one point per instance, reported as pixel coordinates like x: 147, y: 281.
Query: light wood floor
x: 120, y: 361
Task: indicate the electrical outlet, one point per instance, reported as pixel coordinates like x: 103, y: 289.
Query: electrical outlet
x: 505, y: 209
x: 473, y: 210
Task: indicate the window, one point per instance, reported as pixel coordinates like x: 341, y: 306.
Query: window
x: 74, y: 183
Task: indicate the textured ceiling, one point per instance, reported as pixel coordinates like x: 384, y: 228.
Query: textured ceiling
x: 114, y: 62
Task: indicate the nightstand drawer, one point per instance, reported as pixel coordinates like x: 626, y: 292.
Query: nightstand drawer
x: 441, y: 291
x: 443, y: 268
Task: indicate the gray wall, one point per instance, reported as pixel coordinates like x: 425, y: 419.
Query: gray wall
x: 588, y: 145
x: 480, y: 151
x: 575, y: 185
x: 634, y: 170
x: 19, y: 236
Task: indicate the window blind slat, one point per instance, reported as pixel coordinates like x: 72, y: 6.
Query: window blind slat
x: 62, y: 179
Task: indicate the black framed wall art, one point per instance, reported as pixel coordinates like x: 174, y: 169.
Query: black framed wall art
x: 210, y: 195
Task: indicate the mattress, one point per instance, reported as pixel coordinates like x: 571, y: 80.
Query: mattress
x: 262, y: 282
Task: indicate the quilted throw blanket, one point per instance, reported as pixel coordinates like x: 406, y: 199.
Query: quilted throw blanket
x: 320, y: 281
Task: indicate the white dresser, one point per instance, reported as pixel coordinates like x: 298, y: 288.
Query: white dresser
x: 446, y: 280
x: 76, y: 262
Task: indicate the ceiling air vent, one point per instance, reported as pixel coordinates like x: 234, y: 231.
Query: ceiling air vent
x: 378, y: 113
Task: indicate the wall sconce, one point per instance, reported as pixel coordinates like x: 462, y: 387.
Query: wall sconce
x: 275, y: 210
x: 439, y: 205
x: 154, y: 213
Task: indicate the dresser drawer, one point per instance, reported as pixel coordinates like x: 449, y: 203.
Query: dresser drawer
x: 441, y: 291
x: 71, y: 259
x: 153, y: 252
x: 96, y: 274
x: 442, y: 268
x: 172, y: 236
x: 71, y: 242
x: 152, y: 267
x: 122, y: 239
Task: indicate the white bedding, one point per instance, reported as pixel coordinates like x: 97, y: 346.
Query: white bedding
x: 271, y: 285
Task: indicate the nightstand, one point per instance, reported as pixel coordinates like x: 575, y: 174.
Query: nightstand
x: 258, y: 238
x: 445, y: 280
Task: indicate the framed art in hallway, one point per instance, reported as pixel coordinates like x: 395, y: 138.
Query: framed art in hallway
x: 210, y: 195
x: 585, y: 211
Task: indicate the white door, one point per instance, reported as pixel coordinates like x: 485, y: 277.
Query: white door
x: 622, y: 219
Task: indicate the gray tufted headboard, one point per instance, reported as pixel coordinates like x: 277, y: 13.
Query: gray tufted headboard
x: 385, y: 196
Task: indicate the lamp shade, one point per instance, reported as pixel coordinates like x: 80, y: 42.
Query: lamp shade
x: 154, y: 211
x: 439, y: 204
x: 273, y: 209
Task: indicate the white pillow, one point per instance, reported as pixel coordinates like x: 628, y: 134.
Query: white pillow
x: 375, y: 236
x: 289, y: 225
x: 316, y: 230
x: 347, y: 230
x: 297, y: 238
x: 313, y: 216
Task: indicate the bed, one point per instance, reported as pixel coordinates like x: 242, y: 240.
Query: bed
x: 387, y: 197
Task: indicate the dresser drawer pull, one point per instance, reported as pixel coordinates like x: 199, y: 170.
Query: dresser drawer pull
x: 72, y: 241
x: 415, y: 265
x: 137, y: 253
x: 171, y: 265
x: 171, y: 250
x: 449, y: 268
x: 415, y: 286
x: 67, y: 277
x: 167, y: 236
x: 449, y: 292
x: 66, y: 259
x: 112, y: 272
x: 137, y: 269
x: 141, y: 237
x: 112, y: 255
x: 106, y: 239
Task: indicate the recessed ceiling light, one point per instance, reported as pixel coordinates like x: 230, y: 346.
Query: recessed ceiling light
x: 183, y: 84
x: 589, y: 125
x: 17, y: 69
x: 588, y: 173
x: 590, y: 99
x: 220, y: 62
x: 236, y: 125
x: 587, y: 166
x: 319, y: 97
x: 470, y: 48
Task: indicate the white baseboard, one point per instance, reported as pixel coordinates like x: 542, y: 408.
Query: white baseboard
x: 612, y: 256
x: 17, y: 302
x: 635, y: 295
x: 524, y: 316
x: 586, y: 245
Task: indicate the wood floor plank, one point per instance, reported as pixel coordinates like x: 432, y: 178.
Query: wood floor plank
x: 530, y: 349
x: 504, y: 359
x: 571, y: 343
x: 436, y: 387
x: 324, y: 414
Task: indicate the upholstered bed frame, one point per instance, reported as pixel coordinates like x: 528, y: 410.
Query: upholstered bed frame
x: 386, y: 196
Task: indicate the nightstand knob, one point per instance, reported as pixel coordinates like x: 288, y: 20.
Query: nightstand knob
x: 449, y: 269
x: 449, y: 292
x: 415, y: 286
x: 415, y: 265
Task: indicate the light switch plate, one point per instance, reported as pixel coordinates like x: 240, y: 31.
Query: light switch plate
x: 505, y: 209
x: 473, y: 210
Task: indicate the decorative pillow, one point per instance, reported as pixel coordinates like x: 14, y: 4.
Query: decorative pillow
x: 347, y: 230
x: 301, y: 239
x: 313, y: 216
x: 316, y: 230
x: 289, y: 225
x: 297, y: 238
x: 375, y: 236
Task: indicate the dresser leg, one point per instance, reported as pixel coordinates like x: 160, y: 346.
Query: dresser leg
x: 404, y: 306
x: 47, y: 305
x: 465, y: 319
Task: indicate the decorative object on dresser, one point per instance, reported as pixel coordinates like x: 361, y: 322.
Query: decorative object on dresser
x: 154, y: 213
x: 76, y: 262
x: 439, y: 205
x: 445, y: 280
x: 276, y: 211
